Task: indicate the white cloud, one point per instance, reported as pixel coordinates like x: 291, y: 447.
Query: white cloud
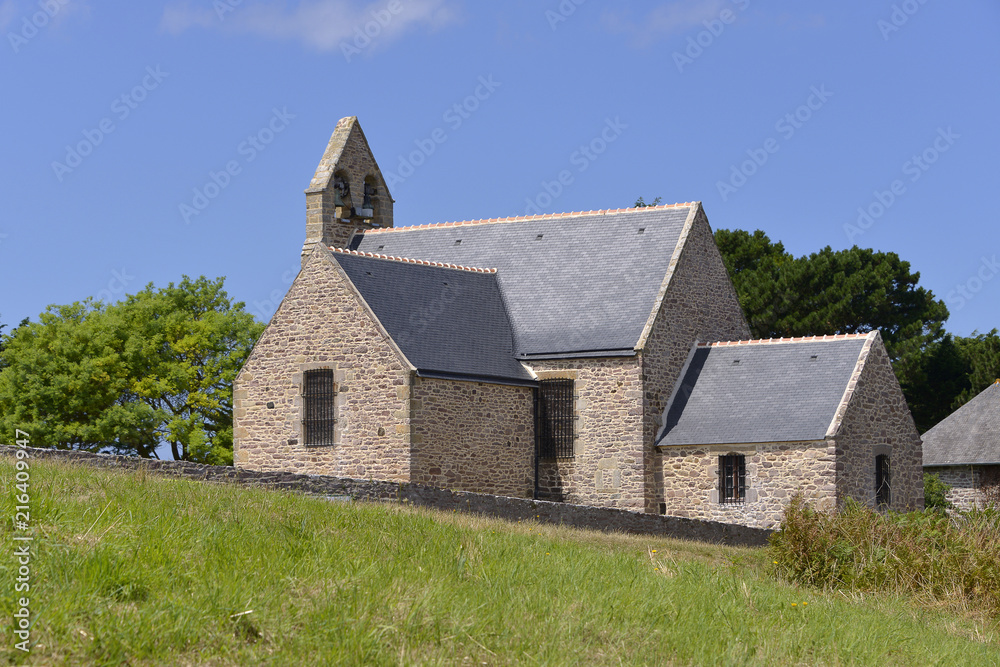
x: 665, y: 20
x: 319, y: 24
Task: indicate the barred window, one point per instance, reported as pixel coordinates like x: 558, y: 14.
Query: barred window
x: 318, y: 394
x: 555, y: 418
x: 732, y: 479
x: 883, y: 491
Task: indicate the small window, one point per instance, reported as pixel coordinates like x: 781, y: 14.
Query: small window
x: 732, y: 479
x: 555, y: 418
x: 883, y: 495
x: 318, y: 393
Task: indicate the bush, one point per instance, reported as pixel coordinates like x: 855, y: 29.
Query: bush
x: 927, y: 553
x: 935, y: 493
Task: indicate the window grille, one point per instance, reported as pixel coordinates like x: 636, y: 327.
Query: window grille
x: 732, y: 479
x: 318, y: 394
x: 556, y: 419
x: 883, y: 494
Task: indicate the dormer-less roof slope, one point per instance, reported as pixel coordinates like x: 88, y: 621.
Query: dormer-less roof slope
x: 581, y: 283
x: 968, y: 436
x: 448, y: 322
x: 761, y: 391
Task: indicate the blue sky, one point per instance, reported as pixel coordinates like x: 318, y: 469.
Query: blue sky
x: 868, y: 123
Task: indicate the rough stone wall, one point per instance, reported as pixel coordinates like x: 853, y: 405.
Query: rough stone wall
x: 699, y: 303
x: 472, y: 436
x: 347, y: 153
x: 607, y: 469
x: 322, y: 323
x: 775, y: 472
x: 511, y: 509
x: 965, y: 484
x: 876, y: 420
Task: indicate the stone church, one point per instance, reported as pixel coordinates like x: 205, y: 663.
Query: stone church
x: 597, y: 358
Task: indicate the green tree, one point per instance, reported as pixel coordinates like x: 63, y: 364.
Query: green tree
x: 847, y: 291
x: 156, y: 367
x: 188, y: 343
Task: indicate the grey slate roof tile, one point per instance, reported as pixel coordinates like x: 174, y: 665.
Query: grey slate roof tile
x: 446, y: 321
x: 577, y: 283
x: 968, y: 436
x: 767, y: 392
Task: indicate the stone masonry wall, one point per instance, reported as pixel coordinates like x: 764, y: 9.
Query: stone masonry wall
x: 472, y: 436
x: 775, y: 472
x: 964, y: 482
x: 699, y: 303
x: 878, y: 421
x: 512, y: 509
x: 607, y: 469
x: 322, y: 323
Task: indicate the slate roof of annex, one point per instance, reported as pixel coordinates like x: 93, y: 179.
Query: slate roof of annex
x: 969, y: 435
x: 761, y: 391
x: 449, y: 322
x: 574, y: 283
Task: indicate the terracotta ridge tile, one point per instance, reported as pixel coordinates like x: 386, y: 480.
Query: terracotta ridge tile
x: 518, y: 218
x: 775, y: 341
x: 408, y: 260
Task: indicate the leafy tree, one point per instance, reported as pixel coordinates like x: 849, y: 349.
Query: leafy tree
x: 982, y: 352
x: 188, y: 343
x: 157, y: 367
x: 639, y: 203
x: 850, y: 291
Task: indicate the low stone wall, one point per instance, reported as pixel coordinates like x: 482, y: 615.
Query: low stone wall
x: 578, y: 516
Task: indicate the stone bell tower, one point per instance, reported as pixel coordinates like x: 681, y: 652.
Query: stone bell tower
x: 347, y: 191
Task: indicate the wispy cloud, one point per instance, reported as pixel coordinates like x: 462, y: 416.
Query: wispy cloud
x: 8, y: 10
x: 664, y: 20
x: 319, y: 24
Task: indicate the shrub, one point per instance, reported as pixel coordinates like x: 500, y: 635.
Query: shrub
x: 935, y: 493
x: 927, y: 553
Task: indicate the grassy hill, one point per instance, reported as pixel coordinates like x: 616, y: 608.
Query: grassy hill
x: 129, y: 568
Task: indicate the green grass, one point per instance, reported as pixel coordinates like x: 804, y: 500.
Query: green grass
x: 137, y: 569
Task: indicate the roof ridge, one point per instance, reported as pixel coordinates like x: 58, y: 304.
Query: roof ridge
x: 518, y: 218
x: 793, y: 339
x: 408, y: 260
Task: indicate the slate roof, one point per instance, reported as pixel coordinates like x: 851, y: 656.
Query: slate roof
x: 448, y: 322
x: 969, y: 435
x: 582, y: 283
x: 761, y: 391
